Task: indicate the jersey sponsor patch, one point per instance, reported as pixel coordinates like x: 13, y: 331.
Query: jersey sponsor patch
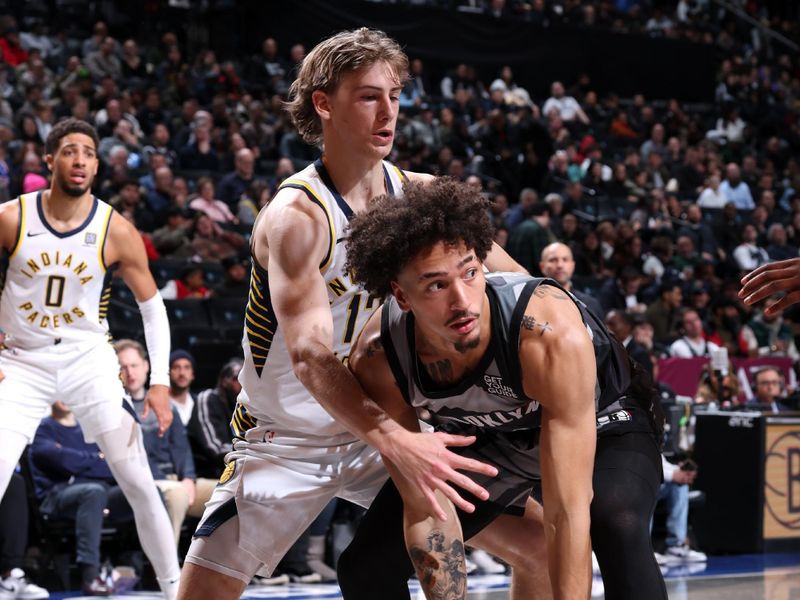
x: 615, y: 417
x: 495, y: 385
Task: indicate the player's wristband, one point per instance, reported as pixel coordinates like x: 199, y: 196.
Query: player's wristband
x: 156, y: 334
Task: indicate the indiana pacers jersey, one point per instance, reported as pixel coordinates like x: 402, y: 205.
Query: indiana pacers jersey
x: 56, y: 286
x: 270, y: 391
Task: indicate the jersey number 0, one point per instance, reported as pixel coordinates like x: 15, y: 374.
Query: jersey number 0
x: 54, y: 294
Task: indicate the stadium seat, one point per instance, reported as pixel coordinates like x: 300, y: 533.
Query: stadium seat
x: 125, y: 321
x: 122, y: 293
x: 166, y: 269
x: 188, y: 313
x: 225, y: 312
x: 213, y: 273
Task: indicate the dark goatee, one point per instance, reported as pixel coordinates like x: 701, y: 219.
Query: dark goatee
x: 462, y: 347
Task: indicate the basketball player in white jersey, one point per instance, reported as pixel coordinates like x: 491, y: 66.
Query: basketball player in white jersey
x: 303, y: 423
x: 61, y: 242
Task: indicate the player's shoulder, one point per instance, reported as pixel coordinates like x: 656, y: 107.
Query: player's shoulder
x: 296, y: 191
x: 552, y: 319
x: 10, y: 223
x: 414, y: 177
x: 9, y: 211
x: 123, y: 240
x: 290, y: 207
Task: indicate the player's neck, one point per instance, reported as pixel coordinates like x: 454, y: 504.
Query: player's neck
x: 357, y: 178
x: 63, y: 211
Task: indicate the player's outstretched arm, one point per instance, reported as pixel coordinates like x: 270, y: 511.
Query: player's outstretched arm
x: 559, y: 371
x: 420, y: 463
x: 499, y: 260
x: 772, y: 278
x: 294, y: 238
x: 125, y: 248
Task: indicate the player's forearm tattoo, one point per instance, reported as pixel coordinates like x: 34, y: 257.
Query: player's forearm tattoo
x: 441, y: 570
x: 530, y: 322
x: 440, y: 371
x: 549, y: 291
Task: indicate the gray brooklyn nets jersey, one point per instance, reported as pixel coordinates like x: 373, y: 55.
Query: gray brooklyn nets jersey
x: 490, y: 402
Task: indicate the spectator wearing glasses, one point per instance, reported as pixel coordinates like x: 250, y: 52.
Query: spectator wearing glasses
x: 768, y: 384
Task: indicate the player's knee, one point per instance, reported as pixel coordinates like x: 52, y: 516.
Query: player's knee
x: 623, y: 527
x: 200, y: 583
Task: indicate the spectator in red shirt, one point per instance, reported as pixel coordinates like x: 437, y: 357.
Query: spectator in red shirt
x: 191, y: 284
x: 13, y: 52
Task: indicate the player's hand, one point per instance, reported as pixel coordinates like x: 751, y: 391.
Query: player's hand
x: 780, y: 276
x: 427, y: 465
x: 158, y: 399
x: 2, y: 376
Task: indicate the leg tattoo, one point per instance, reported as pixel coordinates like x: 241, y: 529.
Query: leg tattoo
x: 441, y: 570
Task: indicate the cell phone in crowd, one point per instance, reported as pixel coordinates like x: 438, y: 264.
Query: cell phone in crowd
x: 688, y: 465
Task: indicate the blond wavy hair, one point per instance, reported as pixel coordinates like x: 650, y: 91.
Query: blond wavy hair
x: 328, y: 61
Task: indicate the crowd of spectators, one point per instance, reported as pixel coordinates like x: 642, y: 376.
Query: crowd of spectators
x: 659, y: 209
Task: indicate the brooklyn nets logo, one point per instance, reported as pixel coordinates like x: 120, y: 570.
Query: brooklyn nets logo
x: 782, y: 480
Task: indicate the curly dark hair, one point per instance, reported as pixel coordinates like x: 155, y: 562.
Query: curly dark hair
x: 383, y: 240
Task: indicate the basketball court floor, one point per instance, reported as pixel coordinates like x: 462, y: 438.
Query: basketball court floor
x: 743, y: 577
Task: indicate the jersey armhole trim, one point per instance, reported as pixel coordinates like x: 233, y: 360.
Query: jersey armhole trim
x: 303, y: 186
x: 101, y: 245
x: 391, y: 354
x: 401, y: 174
x: 515, y: 331
x: 20, y: 229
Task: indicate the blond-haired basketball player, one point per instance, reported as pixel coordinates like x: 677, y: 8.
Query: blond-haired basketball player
x: 305, y: 430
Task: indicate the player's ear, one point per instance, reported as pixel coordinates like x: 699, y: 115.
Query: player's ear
x: 321, y: 104
x: 48, y: 159
x: 399, y: 295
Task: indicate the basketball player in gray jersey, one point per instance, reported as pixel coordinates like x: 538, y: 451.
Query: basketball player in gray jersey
x: 520, y: 364
x: 61, y: 243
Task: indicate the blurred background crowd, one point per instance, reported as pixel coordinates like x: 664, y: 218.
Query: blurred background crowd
x: 648, y: 205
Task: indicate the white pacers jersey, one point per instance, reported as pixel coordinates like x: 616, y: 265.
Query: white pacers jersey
x: 56, y: 287
x: 270, y: 391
